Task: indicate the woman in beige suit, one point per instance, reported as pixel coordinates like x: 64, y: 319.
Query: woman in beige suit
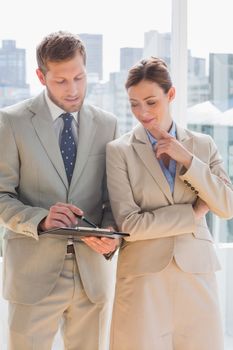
x: 162, y: 180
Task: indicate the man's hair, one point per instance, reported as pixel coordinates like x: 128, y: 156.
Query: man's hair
x: 153, y: 69
x: 58, y: 46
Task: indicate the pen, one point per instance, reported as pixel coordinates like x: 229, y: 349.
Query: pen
x: 82, y: 217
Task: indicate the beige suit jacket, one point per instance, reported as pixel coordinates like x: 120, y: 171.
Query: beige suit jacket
x: 32, y: 178
x: 162, y: 225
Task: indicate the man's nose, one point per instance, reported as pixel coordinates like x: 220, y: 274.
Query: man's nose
x: 72, y: 88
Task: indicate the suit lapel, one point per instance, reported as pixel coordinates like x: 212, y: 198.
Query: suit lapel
x: 86, y: 134
x: 187, y: 142
x: 144, y: 150
x: 43, y: 124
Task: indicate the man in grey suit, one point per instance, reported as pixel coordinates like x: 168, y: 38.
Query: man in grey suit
x: 52, y: 161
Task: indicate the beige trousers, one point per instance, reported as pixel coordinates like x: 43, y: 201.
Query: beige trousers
x: 33, y: 327
x: 169, y: 310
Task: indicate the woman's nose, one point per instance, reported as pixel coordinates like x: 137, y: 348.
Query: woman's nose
x: 145, y: 112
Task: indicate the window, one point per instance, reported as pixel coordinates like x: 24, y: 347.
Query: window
x: 116, y: 35
x: 121, y: 33
x: 210, y: 80
x: 210, y: 110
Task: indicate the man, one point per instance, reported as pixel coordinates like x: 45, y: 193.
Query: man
x: 52, y: 159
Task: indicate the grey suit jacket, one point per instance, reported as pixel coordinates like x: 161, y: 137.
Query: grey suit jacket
x: 162, y: 225
x: 32, y: 178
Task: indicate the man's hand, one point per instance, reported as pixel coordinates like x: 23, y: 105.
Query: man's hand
x: 102, y: 245
x: 200, y: 209
x: 60, y: 215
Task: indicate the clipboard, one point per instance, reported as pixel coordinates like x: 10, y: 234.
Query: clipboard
x: 81, y: 231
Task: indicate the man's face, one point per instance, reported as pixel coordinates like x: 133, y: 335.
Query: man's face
x: 65, y: 82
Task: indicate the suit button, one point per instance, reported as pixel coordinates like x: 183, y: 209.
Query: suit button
x: 192, y: 188
x: 196, y: 192
x: 185, y: 181
x: 188, y: 184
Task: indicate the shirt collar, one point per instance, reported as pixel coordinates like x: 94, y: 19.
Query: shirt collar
x: 55, y: 110
x: 171, y: 132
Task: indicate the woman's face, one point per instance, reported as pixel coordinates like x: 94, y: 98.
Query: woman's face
x: 150, y: 104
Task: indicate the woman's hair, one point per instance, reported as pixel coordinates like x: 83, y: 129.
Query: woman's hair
x: 153, y: 69
x: 58, y: 46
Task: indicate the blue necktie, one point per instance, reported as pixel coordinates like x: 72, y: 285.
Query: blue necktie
x: 68, y: 145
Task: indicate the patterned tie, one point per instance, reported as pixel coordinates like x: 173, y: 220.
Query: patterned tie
x: 68, y: 145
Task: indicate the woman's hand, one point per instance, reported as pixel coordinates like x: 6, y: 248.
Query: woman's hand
x: 200, y: 208
x: 169, y: 145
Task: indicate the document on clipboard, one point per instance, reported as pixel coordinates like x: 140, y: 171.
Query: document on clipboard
x: 81, y: 231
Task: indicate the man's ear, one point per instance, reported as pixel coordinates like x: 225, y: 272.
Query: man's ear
x: 41, y: 76
x: 171, y: 94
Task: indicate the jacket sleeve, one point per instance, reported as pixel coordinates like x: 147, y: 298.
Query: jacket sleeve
x: 14, y: 215
x: 210, y: 181
x: 166, y: 221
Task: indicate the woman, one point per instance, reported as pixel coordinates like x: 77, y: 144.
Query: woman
x: 162, y: 180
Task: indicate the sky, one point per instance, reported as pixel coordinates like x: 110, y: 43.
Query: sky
x: 122, y: 23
